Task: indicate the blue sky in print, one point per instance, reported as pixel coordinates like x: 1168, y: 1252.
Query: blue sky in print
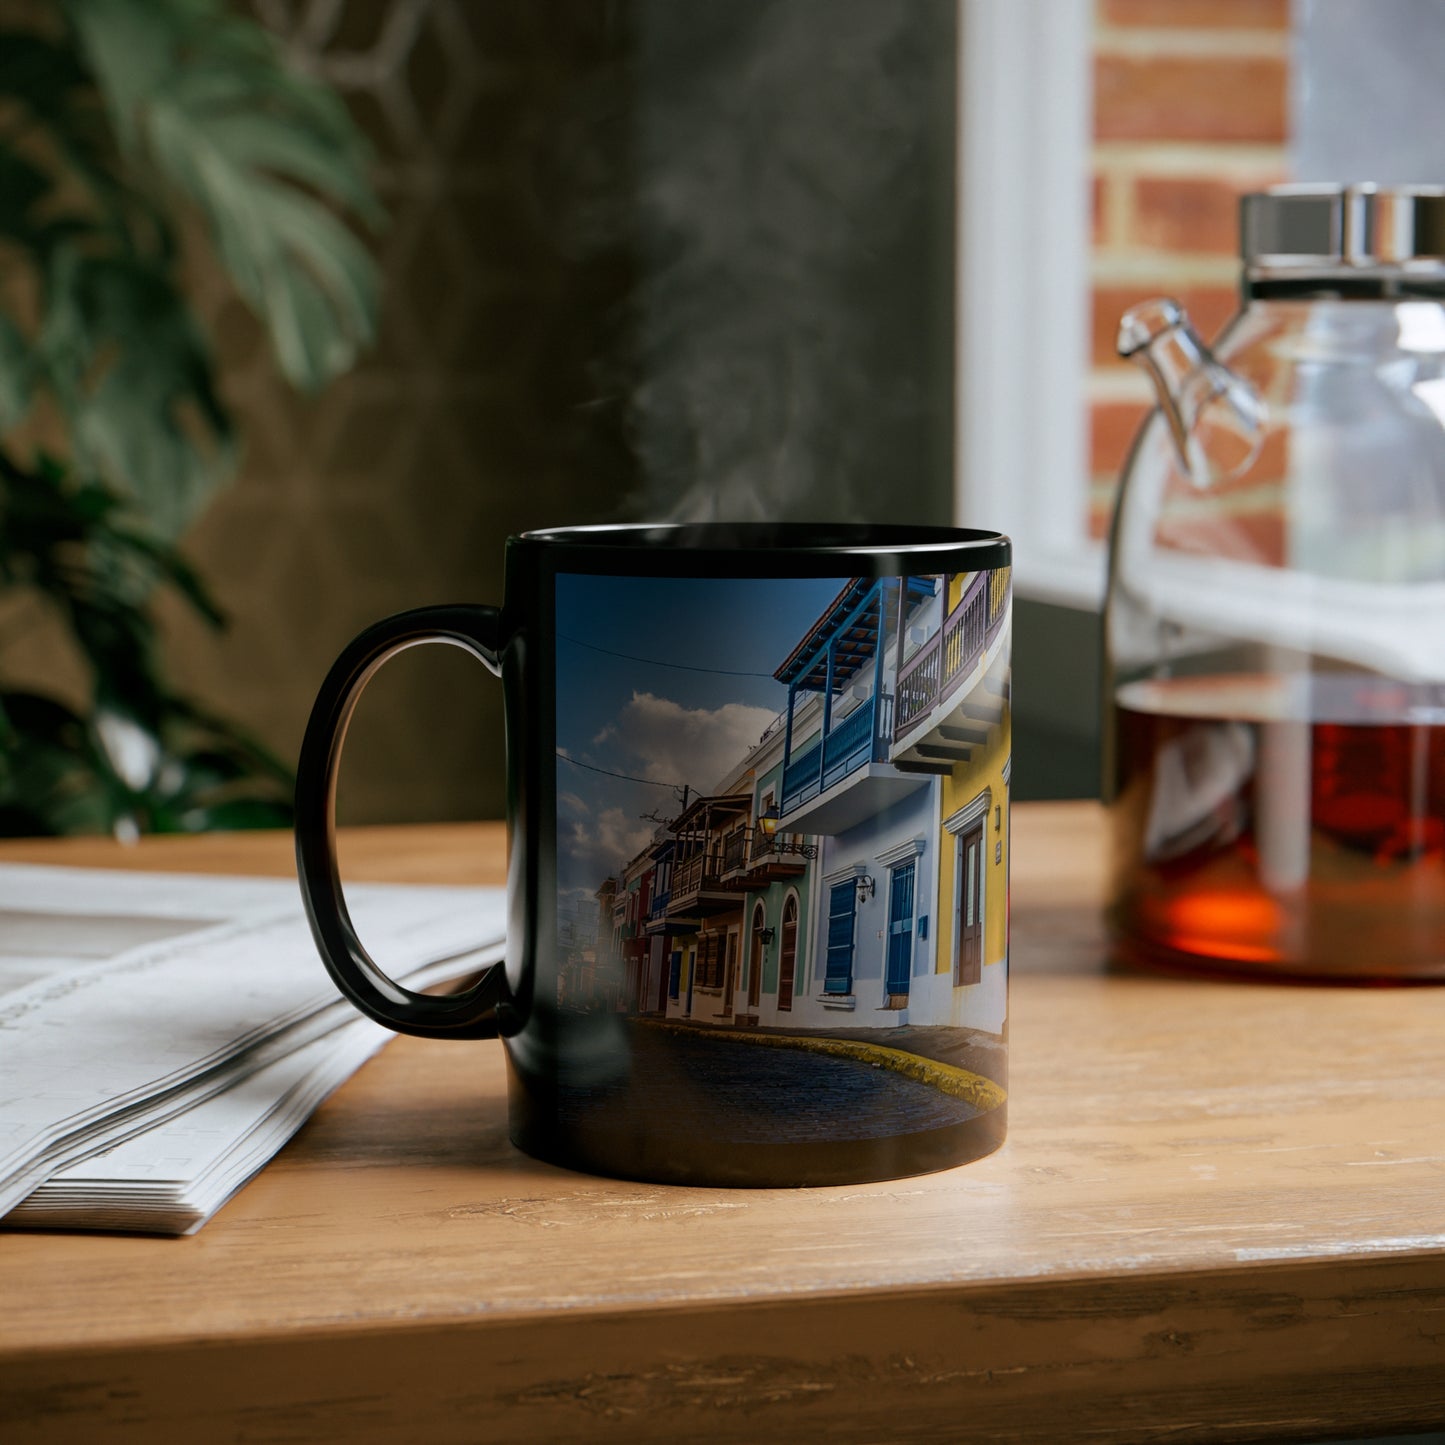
x: 693, y: 693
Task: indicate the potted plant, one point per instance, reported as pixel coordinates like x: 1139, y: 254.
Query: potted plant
x: 128, y: 128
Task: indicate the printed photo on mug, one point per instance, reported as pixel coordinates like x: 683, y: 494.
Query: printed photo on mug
x: 758, y: 848
x: 782, y: 852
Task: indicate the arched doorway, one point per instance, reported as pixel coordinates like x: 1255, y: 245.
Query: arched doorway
x: 755, y: 959
x: 788, y: 954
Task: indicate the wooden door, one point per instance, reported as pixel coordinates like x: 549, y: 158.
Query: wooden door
x: 755, y: 960
x: 968, y: 957
x: 661, y: 973
x: 788, y: 956
x: 730, y: 988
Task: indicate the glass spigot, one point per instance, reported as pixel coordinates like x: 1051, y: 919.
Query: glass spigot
x: 1216, y: 418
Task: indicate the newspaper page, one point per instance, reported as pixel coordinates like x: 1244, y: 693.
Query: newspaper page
x: 172, y: 1177
x: 130, y: 999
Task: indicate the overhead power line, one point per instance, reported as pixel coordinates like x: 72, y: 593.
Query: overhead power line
x: 658, y: 662
x: 629, y: 777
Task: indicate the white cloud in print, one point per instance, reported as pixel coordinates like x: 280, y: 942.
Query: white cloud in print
x: 676, y: 744
x: 602, y: 845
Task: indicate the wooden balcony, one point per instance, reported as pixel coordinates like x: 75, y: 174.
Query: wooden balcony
x: 756, y: 858
x: 697, y: 887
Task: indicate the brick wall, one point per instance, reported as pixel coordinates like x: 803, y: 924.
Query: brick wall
x: 1190, y: 111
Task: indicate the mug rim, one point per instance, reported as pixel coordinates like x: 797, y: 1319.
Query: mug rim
x: 864, y: 539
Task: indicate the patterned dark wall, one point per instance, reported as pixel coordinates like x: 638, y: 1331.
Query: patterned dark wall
x: 477, y: 415
x: 645, y: 257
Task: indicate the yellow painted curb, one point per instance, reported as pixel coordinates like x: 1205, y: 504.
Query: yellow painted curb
x: 982, y: 1093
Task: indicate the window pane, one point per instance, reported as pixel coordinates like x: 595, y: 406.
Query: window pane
x: 842, y: 906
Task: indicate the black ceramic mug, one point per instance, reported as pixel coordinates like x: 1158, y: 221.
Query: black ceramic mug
x: 758, y: 814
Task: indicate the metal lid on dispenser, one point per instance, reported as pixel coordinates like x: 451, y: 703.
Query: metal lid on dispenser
x: 1293, y: 232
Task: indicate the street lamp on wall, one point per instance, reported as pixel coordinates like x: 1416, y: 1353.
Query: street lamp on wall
x: 769, y: 820
x: 865, y: 888
x: 766, y: 935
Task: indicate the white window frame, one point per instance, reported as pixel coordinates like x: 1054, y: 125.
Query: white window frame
x: 1025, y: 124
x: 904, y: 852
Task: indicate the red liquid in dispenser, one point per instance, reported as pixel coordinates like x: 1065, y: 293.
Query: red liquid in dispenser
x: 1289, y: 825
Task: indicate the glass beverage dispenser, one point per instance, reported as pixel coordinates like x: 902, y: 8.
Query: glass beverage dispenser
x: 1275, y: 624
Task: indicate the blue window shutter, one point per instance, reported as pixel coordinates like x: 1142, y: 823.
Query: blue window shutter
x: 842, y: 911
x: 900, y: 928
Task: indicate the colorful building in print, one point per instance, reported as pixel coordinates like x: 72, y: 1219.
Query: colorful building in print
x: 631, y: 907
x: 661, y: 952
x: 734, y: 900
x: 952, y: 714
x: 775, y: 875
x: 590, y: 976
x: 895, y: 761
x: 705, y: 915
x: 851, y: 870
x: 875, y: 819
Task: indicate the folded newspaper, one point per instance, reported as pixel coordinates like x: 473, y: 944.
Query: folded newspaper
x: 162, y: 1035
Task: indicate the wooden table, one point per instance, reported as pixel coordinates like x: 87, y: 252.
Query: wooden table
x: 1220, y: 1214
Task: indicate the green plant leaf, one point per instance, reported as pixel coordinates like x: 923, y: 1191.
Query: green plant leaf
x: 22, y: 185
x: 51, y: 783
x: 129, y: 48
x: 171, y: 567
x: 264, y: 152
x: 310, y: 280
x: 40, y: 74
x: 45, y: 80
x: 63, y: 773
x: 134, y: 377
x: 136, y: 104
x: 73, y: 545
x: 17, y: 375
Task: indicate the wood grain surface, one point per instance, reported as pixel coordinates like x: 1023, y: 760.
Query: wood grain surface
x: 1220, y: 1214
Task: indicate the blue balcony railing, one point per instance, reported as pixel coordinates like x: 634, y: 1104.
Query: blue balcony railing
x: 801, y: 774
x: 852, y: 744
x: 658, y: 905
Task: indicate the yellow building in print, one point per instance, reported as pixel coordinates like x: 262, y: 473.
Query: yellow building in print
x: 954, y: 714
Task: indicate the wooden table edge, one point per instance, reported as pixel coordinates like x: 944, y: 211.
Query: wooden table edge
x: 1014, y: 1359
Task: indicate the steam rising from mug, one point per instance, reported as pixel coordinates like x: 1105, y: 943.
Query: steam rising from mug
x: 791, y: 321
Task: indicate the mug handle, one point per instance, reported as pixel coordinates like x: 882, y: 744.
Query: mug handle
x: 471, y: 1014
